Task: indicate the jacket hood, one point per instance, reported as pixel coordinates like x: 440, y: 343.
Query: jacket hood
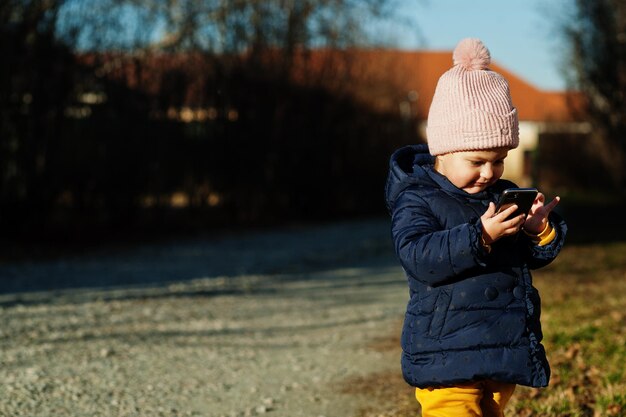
x: 407, y: 167
x: 414, y: 165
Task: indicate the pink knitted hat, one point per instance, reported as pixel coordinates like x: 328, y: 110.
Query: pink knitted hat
x: 471, y: 108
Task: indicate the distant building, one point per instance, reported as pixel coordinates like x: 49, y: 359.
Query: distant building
x: 405, y: 81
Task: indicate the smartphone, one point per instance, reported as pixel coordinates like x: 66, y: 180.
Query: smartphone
x: 523, y: 197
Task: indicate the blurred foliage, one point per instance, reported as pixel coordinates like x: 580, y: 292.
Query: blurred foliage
x: 96, y: 136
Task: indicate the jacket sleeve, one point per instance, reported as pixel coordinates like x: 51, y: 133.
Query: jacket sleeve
x: 427, y: 251
x: 540, y: 256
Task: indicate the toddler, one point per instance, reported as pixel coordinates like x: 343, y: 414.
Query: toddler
x: 471, y: 331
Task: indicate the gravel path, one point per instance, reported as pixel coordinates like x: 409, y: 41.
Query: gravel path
x: 270, y: 323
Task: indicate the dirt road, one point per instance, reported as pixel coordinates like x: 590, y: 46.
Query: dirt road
x: 269, y: 323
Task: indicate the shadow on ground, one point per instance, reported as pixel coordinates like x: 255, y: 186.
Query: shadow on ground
x: 288, y: 251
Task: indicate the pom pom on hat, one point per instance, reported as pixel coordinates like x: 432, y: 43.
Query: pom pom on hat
x: 471, y: 54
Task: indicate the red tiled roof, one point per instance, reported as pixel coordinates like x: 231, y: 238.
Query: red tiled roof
x: 397, y: 72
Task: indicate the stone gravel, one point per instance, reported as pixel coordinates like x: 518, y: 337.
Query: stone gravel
x: 266, y: 323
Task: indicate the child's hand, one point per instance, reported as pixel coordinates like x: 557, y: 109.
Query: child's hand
x: 538, y: 216
x: 496, y: 226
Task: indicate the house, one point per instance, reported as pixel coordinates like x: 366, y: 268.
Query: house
x: 404, y: 81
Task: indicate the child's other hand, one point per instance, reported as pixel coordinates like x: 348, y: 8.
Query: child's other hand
x: 538, y: 216
x: 496, y: 226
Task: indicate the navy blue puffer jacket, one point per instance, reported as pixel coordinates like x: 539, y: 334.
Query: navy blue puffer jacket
x: 472, y: 315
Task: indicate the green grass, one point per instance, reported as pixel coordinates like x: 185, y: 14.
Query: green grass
x: 584, y: 322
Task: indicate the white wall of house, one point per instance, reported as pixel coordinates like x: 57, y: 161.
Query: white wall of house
x: 514, y: 166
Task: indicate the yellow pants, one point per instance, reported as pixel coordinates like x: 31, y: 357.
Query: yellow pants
x: 476, y: 399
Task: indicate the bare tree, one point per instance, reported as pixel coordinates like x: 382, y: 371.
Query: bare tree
x: 595, y: 33
x: 34, y: 89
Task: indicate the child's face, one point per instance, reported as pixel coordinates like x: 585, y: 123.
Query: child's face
x: 472, y: 171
